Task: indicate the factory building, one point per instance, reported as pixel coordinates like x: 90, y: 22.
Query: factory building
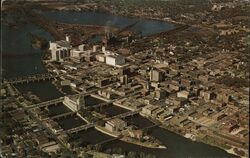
x: 115, y: 60
x: 60, y: 49
x: 77, y: 52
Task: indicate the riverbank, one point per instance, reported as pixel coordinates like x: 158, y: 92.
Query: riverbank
x: 92, y: 7
x: 143, y: 144
x: 130, y: 140
x: 48, y: 24
x: 37, y: 42
x: 191, y: 137
x: 105, y: 131
x: 230, y: 151
x: 97, y: 154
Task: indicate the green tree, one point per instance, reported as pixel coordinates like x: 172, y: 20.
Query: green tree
x: 53, y: 155
x: 108, y: 151
x: 150, y: 156
x: 89, y: 147
x: 142, y: 155
x: 119, y: 151
x: 98, y: 147
x: 132, y: 154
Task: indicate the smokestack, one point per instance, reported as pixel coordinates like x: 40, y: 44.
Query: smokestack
x: 103, y: 49
x: 68, y: 38
x: 94, y: 48
x: 107, y: 31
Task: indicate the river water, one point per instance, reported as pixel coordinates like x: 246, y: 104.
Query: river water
x: 146, y: 27
x: 20, y: 58
x: 177, y: 146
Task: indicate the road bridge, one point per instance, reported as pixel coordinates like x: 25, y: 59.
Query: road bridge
x: 149, y: 127
x: 127, y: 114
x: 100, y: 105
x: 60, y: 115
x: 86, y: 93
x: 108, y: 140
x: 46, y: 103
x: 77, y: 129
x: 111, y: 101
x: 39, y: 105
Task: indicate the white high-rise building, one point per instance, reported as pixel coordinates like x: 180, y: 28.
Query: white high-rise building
x: 60, y: 49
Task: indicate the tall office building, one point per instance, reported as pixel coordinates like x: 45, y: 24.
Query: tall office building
x: 156, y: 75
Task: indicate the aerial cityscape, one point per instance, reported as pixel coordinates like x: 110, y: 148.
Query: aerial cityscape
x: 125, y: 78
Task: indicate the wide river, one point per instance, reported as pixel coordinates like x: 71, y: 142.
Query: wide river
x: 20, y: 58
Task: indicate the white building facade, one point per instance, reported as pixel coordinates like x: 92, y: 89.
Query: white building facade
x: 73, y: 103
x: 60, y: 49
x: 115, y: 60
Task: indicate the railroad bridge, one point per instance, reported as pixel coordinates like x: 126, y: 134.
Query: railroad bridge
x: 30, y: 78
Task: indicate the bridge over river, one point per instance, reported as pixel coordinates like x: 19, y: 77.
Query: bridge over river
x: 78, y: 129
x: 30, y: 78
